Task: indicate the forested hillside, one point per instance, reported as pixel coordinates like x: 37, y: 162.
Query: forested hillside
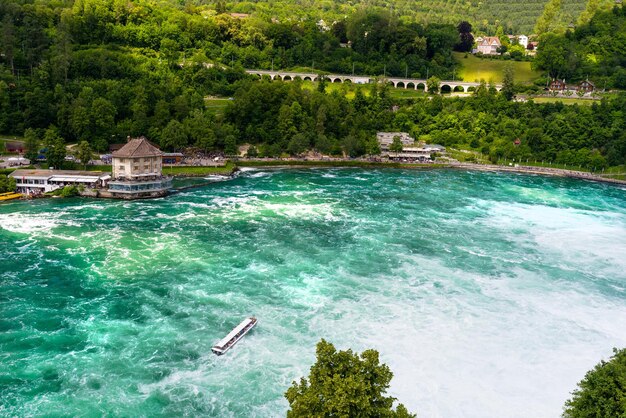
x: 594, y: 50
x: 485, y: 15
x: 101, y: 70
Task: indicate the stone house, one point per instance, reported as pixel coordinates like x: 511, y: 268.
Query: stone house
x: 137, y: 171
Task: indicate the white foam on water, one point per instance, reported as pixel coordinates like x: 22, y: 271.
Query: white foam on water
x: 588, y: 240
x: 33, y: 224
x: 476, y: 353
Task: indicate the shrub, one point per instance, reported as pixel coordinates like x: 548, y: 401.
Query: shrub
x: 602, y: 392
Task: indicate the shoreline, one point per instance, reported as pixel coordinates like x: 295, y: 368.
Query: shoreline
x: 521, y: 169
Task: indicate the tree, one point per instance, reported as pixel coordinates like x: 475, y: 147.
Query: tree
x: 553, y: 56
x: 252, y: 152
x: 396, y: 144
x: 7, y: 184
x: 321, y: 84
x: 344, y: 383
x: 602, y: 392
x: 84, y: 153
x: 55, y: 147
x: 546, y: 20
x: 432, y: 84
x: 174, y: 135
x: 466, y: 39
x: 31, y: 144
x: 508, y: 87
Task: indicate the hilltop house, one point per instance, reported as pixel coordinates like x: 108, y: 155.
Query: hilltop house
x: 488, y: 45
x: 137, y: 171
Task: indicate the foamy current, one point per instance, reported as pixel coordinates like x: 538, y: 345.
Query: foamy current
x: 488, y: 295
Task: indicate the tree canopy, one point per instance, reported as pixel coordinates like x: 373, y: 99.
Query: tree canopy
x: 346, y: 384
x: 602, y: 392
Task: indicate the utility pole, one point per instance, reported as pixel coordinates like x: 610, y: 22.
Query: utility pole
x: 272, y: 64
x: 385, y: 71
x: 427, y: 69
x: 406, y: 71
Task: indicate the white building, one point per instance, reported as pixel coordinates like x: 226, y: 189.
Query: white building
x: 422, y: 153
x: 42, y: 181
x: 385, y: 139
x: 522, y: 40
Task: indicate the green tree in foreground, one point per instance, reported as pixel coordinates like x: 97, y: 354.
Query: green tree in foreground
x: 344, y: 384
x: 602, y: 393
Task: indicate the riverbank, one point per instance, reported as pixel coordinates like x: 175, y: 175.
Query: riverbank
x: 546, y: 171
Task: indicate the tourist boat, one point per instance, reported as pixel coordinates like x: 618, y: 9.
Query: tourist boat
x: 234, y: 336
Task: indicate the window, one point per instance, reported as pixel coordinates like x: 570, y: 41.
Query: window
x: 121, y: 168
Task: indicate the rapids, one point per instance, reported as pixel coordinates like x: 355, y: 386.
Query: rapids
x: 487, y: 294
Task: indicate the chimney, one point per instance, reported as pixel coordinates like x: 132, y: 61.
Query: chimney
x: 128, y: 138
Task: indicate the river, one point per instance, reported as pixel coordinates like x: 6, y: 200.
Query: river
x: 487, y: 294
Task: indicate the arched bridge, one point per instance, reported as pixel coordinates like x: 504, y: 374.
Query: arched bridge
x: 406, y: 83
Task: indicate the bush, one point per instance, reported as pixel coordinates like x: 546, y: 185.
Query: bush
x: 602, y: 392
x: 68, y: 191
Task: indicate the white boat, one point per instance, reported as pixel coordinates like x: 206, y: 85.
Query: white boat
x: 235, y: 335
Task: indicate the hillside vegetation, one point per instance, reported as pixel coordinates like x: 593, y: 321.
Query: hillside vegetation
x: 485, y: 15
x: 93, y: 72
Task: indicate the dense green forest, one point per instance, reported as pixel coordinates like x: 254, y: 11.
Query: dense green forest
x: 595, y: 50
x: 98, y: 71
x: 486, y: 15
x: 280, y: 116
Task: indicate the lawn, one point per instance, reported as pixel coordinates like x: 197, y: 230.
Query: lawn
x: 215, y: 105
x: 476, y: 69
x: 191, y: 171
x: 567, y: 101
x: 349, y: 89
x: 199, y: 171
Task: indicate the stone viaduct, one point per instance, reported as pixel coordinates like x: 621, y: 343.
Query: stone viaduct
x: 406, y: 83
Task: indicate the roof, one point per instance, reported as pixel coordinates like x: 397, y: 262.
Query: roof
x: 137, y: 148
x: 491, y: 41
x: 234, y: 332
x: 57, y: 173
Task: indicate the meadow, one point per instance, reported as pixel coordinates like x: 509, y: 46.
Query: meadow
x: 475, y: 69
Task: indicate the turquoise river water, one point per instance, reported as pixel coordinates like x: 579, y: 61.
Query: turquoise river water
x: 488, y: 295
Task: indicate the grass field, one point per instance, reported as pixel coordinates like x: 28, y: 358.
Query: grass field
x: 567, y: 101
x: 476, y: 69
x: 181, y: 170
x: 215, y: 105
x: 199, y: 171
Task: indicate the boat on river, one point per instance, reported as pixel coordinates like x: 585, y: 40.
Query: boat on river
x: 234, y: 336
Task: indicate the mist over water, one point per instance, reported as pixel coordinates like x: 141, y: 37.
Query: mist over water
x: 488, y: 295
